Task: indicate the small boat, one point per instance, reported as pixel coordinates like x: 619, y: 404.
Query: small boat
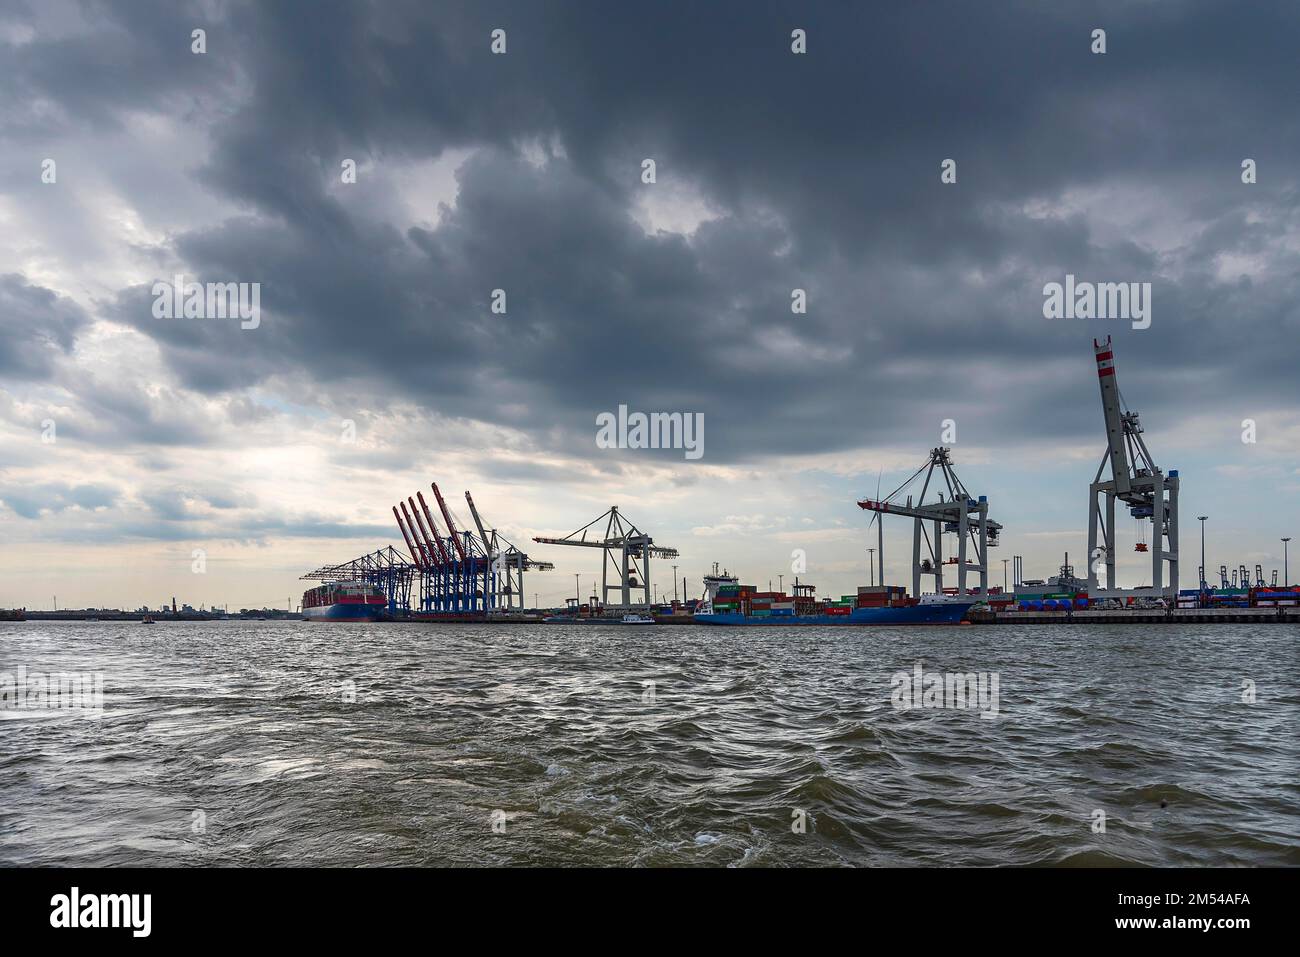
x: 636, y: 620
x: 147, y: 620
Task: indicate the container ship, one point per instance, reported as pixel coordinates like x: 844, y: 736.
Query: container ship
x: 344, y: 601
x: 1064, y: 591
x: 736, y: 604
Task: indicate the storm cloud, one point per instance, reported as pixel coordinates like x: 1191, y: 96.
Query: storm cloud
x: 820, y: 172
x: 775, y: 172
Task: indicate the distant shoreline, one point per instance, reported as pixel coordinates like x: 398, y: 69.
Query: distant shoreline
x: 159, y: 617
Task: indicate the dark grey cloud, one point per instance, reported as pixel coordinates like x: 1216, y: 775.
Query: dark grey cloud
x: 38, y: 326
x: 925, y: 299
x: 96, y: 63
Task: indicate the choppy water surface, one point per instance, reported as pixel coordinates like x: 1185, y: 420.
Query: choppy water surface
x: 553, y: 730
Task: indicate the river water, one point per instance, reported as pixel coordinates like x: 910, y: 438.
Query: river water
x: 283, y: 743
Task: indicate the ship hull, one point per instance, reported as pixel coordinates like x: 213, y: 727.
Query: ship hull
x: 344, y: 612
x: 945, y: 613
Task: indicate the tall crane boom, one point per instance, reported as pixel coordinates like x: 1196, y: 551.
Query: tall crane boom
x: 488, y: 548
x: 1110, y: 406
x: 427, y: 559
x: 451, y: 526
x: 415, y: 554
x: 424, y: 533
x: 433, y: 528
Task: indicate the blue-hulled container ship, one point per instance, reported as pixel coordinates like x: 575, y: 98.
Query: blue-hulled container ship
x: 344, y: 601
x: 731, y: 603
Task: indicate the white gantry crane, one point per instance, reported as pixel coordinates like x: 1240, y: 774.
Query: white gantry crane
x: 1136, y: 481
x: 627, y: 553
x: 507, y: 562
x: 960, y: 513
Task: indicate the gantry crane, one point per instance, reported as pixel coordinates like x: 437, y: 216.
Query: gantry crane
x: 1136, y: 481
x: 427, y: 551
x: 440, y: 584
x: 959, y: 513
x: 631, y: 568
x: 459, y: 572
x: 508, y: 563
x: 386, y: 569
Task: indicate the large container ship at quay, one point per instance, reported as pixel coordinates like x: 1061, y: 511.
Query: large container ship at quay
x: 731, y: 603
x: 344, y: 601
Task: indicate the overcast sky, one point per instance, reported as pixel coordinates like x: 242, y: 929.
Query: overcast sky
x: 127, y: 441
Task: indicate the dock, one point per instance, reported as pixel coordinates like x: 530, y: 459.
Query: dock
x: 1142, y: 616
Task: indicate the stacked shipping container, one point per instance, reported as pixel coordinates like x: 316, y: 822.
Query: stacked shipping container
x: 1240, y: 597
x: 748, y: 600
x: 881, y: 596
